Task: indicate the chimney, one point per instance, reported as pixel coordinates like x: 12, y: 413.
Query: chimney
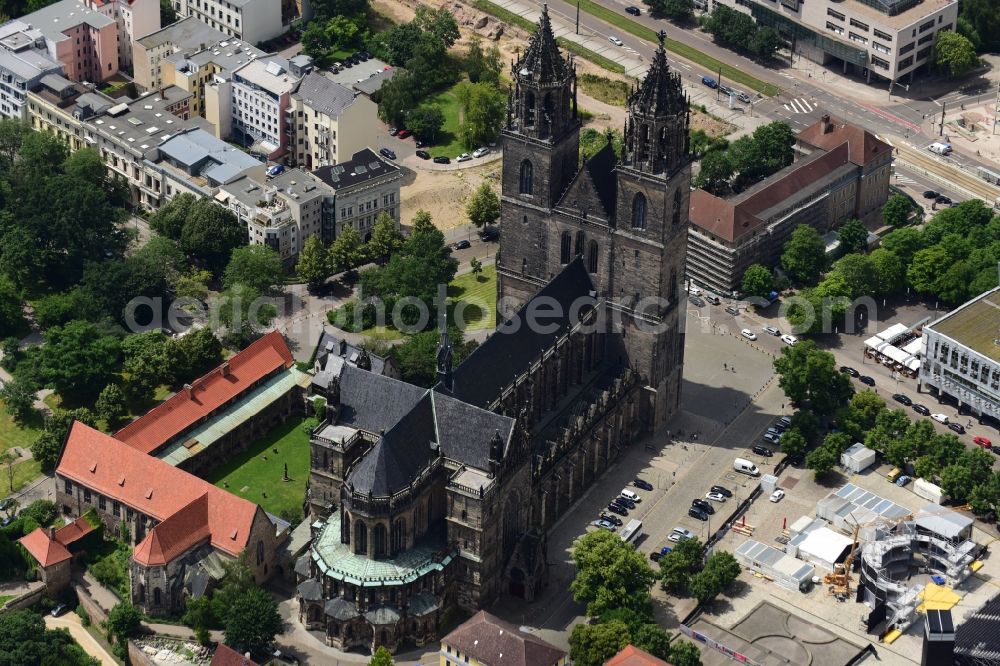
x: 225, y: 368
x: 190, y: 390
x: 52, y: 533
x: 827, y: 125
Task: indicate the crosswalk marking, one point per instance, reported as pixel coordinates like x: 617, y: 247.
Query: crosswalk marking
x: 906, y: 180
x: 799, y: 105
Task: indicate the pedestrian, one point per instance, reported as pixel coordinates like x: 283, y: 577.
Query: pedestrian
x: 724, y: 367
x: 782, y: 405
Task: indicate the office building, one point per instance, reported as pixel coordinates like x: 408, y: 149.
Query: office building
x: 187, y: 34
x: 253, y: 21
x: 329, y: 122
x: 261, y: 95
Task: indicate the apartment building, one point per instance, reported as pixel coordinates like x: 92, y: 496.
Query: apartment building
x: 363, y: 187
x: 887, y: 39
x: 187, y: 34
x: 962, y: 358
x: 24, y: 62
x: 844, y: 174
x: 261, y: 95
x: 206, y: 73
x: 253, y: 21
x: 61, y: 106
x: 133, y: 19
x: 328, y: 120
x: 283, y: 212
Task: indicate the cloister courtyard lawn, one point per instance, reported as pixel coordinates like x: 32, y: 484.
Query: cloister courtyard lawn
x: 480, y: 293
x: 256, y: 474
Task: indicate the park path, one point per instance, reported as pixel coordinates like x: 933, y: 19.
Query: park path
x: 90, y: 645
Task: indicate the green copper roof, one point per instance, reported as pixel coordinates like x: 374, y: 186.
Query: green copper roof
x: 337, y: 561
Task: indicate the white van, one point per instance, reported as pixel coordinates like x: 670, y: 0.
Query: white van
x: 628, y: 494
x: 745, y: 467
x: 939, y: 148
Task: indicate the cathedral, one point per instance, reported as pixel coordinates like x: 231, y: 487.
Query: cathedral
x: 423, y: 500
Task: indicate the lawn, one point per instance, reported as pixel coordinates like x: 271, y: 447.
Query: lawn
x: 22, y: 436
x: 480, y: 292
x: 449, y: 141
x: 4, y: 598
x: 382, y: 334
x: 604, y: 89
x: 257, y: 473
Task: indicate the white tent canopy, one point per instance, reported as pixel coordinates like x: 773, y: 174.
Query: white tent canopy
x: 893, y: 332
x: 824, y: 547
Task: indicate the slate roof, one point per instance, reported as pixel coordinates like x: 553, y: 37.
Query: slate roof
x: 323, y: 95
x: 383, y: 615
x: 330, y: 344
x: 485, y: 638
x: 341, y: 609
x: 423, y: 603
x: 661, y: 91
x: 45, y: 550
x: 363, y: 166
x: 464, y: 432
x: 374, y: 402
x: 179, y: 412
x: 310, y: 590
x: 480, y: 378
x: 542, y: 58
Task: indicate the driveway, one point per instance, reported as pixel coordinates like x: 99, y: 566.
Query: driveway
x: 90, y: 645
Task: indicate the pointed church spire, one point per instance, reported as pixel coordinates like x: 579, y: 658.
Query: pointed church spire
x: 542, y: 61
x: 661, y: 91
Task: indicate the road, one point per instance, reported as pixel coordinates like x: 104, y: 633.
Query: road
x: 71, y: 622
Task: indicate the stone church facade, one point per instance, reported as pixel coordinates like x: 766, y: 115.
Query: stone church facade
x: 426, y: 499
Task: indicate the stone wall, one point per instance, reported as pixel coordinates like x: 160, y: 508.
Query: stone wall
x: 28, y: 599
x: 96, y: 613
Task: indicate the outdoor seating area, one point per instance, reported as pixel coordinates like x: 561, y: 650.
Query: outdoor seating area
x: 899, y: 348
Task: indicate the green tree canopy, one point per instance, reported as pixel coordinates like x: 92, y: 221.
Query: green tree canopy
x: 124, y: 621
x: 954, y: 53
x: 111, y: 406
x: 808, y: 373
x: 853, y: 236
x: 426, y: 122
x: 679, y: 11
x: 346, y: 252
x: 386, y: 237
x: 896, y: 210
x: 211, y: 233
x: 804, y: 255
x: 313, y: 265
x: 592, y: 645
x: 25, y: 640
x: 78, y: 359
x: 483, y: 207
x: 757, y: 281
x: 253, y: 620
x: 381, y: 657
x: 609, y: 573
x: 257, y: 266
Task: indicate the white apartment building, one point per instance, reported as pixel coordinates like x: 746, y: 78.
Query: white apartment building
x: 24, y: 61
x: 254, y: 21
x: 328, y: 120
x: 364, y: 186
x: 261, y: 94
x: 962, y: 356
x: 886, y: 39
x: 283, y: 212
x: 149, y: 52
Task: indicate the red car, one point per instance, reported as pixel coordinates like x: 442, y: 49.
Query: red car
x: 403, y: 134
x: 983, y: 442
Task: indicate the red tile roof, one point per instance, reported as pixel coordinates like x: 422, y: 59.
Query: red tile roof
x: 155, y: 488
x: 227, y: 656
x: 486, y: 638
x: 176, y: 535
x: 829, y: 132
x: 633, y: 656
x: 75, y: 531
x: 210, y: 392
x: 43, y: 548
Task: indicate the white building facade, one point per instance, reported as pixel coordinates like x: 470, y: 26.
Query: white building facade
x: 252, y: 20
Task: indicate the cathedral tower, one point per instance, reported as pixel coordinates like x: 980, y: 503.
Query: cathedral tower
x: 541, y: 149
x: 651, y: 217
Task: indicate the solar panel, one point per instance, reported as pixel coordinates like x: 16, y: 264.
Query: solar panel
x: 361, y: 168
x: 373, y: 165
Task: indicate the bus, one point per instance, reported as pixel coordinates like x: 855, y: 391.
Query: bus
x: 631, y: 530
x: 989, y: 175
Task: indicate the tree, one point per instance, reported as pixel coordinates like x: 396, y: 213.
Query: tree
x: 765, y: 43
x: 677, y: 566
x: 889, y: 272
x: 124, y: 621
x: 386, y: 238
x: 110, y: 405
x: 7, y: 459
x: 485, y: 112
x: 425, y: 122
x: 252, y: 621
x: 18, y: 399
x: 609, y: 573
x: 46, y: 449
x: 417, y: 356
x: 957, y: 482
x: 652, y: 639
x: 197, y: 353
x: 211, y: 233
x: 684, y: 653
x: 896, y: 211
x: 757, y: 281
x: 346, y: 251
x: 148, y: 364
x: 11, y: 314
x: 717, y: 169
x: 78, y: 359
x: 592, y: 645
x: 314, y: 264
x: 705, y: 586
x: 257, y: 266
x: 192, y: 284
x: 199, y: 616
x: 793, y: 444
x: 440, y: 23
x: 821, y: 460
x: 25, y: 640
x: 808, y: 373
x: 476, y: 266
x: 381, y: 657
x: 170, y: 218
x: 43, y: 512
x: 890, y: 426
x: 167, y: 13
x: 484, y: 206
x: 243, y: 311
x: 679, y: 11
x: 954, y: 53
x: 853, y: 236
x: 804, y: 255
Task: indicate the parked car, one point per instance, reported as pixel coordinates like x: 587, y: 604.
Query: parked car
x: 743, y: 97
x: 442, y: 159
x: 489, y: 234
x: 695, y: 512
x: 614, y: 40
x: 866, y: 380
x: 979, y: 440
x: 624, y: 501
x: 920, y: 409
x: 931, y: 194
x: 957, y: 427
x: 771, y: 438
x: 715, y: 497
x: 771, y: 330
x: 733, y: 310
x: 703, y: 505
x: 681, y: 533
x: 403, y: 134
x: 479, y: 152
x: 645, y: 485
x: 748, y: 334
x: 59, y: 610
x: 423, y: 154
x: 943, y: 200
x: 903, y: 480
x: 789, y: 339
x: 762, y: 450
x: 630, y: 495
x: 779, y: 425
x: 285, y: 656
x: 393, y: 131
x: 604, y: 525
x: 695, y: 301
x: 710, y: 82
x: 777, y: 495
x: 610, y: 518
x: 847, y: 370
x: 464, y: 157
x: 902, y: 399
x: 634, y: 11
x: 722, y: 490
x: 656, y: 555
x: 463, y: 245
x: 940, y: 418
x: 713, y: 299
x: 385, y: 152
x: 614, y: 508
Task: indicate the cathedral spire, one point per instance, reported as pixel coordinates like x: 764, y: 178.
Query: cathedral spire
x: 542, y: 61
x: 661, y: 92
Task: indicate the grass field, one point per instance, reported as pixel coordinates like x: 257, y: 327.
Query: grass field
x: 4, y: 598
x: 449, y: 141
x: 22, y: 436
x: 257, y: 473
x: 604, y: 89
x: 480, y: 293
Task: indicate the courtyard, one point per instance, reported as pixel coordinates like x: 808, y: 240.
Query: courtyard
x: 258, y: 474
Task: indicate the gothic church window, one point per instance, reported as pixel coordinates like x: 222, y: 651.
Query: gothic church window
x: 639, y: 211
x: 677, y: 207
x: 580, y: 239
x: 529, y: 109
x: 567, y: 243
x: 527, y: 177
x: 592, y: 257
